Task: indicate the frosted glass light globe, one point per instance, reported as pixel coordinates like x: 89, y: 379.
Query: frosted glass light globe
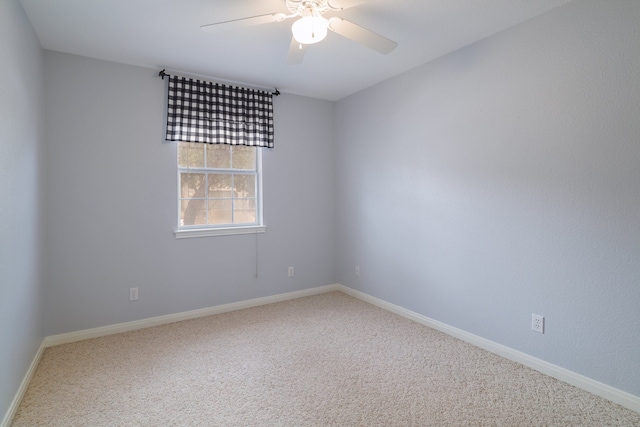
x: 310, y: 29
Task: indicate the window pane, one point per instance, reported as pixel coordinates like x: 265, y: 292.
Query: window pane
x: 244, y: 157
x: 244, y: 186
x: 190, y: 155
x: 192, y: 185
x: 208, y: 197
x: 219, y: 186
x: 218, y: 156
x: 220, y: 212
x: 244, y: 211
x: 192, y: 212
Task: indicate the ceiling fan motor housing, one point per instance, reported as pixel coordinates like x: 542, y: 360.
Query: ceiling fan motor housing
x: 308, y: 7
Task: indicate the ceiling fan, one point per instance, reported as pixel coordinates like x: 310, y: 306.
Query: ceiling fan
x: 310, y: 27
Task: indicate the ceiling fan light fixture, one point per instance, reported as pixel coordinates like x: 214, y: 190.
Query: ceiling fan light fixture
x: 310, y: 29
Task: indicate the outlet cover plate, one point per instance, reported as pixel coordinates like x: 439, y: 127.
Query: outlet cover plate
x: 537, y: 323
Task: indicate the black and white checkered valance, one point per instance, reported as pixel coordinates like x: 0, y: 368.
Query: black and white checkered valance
x: 213, y: 113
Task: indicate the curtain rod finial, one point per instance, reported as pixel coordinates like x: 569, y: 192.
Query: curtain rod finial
x: 162, y: 73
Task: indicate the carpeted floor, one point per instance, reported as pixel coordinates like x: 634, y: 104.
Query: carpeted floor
x: 325, y: 360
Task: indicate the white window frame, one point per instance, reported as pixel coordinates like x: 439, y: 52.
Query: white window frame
x: 192, y: 231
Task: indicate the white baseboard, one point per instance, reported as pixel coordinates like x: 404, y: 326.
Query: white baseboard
x: 617, y: 396
x: 145, y: 323
x: 585, y: 383
x: 13, y: 408
x: 177, y: 317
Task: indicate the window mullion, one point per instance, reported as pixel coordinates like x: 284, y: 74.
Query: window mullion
x: 206, y: 194
x: 216, y: 170
x: 233, y: 197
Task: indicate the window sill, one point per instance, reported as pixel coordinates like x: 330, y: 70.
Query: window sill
x: 226, y: 231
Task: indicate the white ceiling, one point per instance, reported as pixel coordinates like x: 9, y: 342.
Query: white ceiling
x: 166, y: 34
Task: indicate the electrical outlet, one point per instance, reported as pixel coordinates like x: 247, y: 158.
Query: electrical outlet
x: 357, y: 270
x: 537, y: 323
x: 133, y: 294
x: 291, y: 272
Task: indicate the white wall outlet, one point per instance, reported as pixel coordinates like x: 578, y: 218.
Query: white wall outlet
x: 357, y: 270
x: 537, y: 323
x: 290, y: 272
x: 133, y: 294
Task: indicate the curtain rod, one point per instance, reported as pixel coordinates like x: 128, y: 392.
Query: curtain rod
x: 164, y: 74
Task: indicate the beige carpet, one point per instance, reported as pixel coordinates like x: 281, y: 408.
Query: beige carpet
x: 326, y: 360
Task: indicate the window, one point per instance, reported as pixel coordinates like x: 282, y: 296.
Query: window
x: 218, y: 129
x: 219, y: 189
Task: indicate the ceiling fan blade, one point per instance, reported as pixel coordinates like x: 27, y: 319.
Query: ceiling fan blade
x: 243, y: 22
x: 361, y: 35
x: 296, y: 52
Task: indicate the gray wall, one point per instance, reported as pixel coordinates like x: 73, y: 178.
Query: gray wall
x: 111, y: 204
x: 495, y: 182
x: 21, y: 198
x: 503, y: 180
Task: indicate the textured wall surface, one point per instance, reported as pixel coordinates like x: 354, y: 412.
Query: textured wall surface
x: 21, y: 198
x: 502, y: 180
x: 112, y: 191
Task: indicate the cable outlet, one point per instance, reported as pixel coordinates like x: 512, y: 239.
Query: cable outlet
x: 133, y: 294
x: 358, y: 270
x: 290, y: 272
x: 537, y: 323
